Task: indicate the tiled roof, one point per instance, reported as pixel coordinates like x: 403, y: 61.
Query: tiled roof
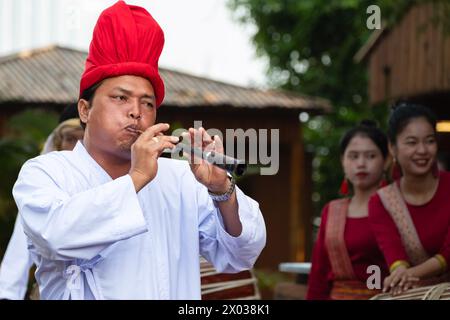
x: 52, y: 75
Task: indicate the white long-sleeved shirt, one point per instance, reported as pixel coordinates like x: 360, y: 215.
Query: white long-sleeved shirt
x: 93, y: 237
x: 15, y: 267
x: 17, y: 261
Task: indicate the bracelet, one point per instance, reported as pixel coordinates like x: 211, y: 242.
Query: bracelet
x: 442, y: 262
x: 397, y: 264
x: 225, y: 196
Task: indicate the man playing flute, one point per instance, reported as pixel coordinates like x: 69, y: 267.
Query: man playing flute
x: 113, y: 220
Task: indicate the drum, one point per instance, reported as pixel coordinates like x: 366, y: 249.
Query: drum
x: 223, y: 286
x: 435, y: 292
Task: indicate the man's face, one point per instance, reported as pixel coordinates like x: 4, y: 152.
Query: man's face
x: 121, y: 105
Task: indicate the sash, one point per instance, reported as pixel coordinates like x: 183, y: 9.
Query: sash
x: 334, y: 240
x: 394, y: 203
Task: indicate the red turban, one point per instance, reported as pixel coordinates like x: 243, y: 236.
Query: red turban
x: 126, y: 41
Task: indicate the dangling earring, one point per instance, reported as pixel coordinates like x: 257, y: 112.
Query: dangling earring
x: 396, y: 171
x: 344, y: 187
x: 435, y: 169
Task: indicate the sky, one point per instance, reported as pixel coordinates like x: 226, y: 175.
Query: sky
x: 202, y: 37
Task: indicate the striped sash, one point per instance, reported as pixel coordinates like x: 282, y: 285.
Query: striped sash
x: 394, y: 203
x: 334, y: 240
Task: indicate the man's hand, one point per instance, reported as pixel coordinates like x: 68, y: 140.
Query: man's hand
x: 145, y: 152
x: 214, y: 178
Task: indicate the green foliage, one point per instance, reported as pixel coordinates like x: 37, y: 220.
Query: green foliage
x: 310, y: 46
x: 25, y: 136
x: 267, y: 280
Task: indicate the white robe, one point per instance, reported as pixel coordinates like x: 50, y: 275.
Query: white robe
x: 92, y: 237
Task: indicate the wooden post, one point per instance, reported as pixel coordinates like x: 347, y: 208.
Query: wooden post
x: 299, y: 222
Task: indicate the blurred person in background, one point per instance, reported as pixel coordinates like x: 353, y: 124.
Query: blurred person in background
x: 411, y: 216
x: 16, y: 264
x: 346, y: 246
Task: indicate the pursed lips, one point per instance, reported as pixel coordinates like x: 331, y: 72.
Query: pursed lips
x: 133, y: 129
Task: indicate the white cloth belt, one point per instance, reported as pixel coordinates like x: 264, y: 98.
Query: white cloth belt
x: 75, y: 282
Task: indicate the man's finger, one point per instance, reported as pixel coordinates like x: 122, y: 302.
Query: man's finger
x: 218, y: 144
x: 155, y: 130
x: 206, y: 138
x: 207, y: 141
x: 162, y: 138
x: 196, y: 141
x: 162, y: 145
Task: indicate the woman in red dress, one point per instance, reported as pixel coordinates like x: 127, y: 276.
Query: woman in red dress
x: 345, y: 246
x: 411, y: 216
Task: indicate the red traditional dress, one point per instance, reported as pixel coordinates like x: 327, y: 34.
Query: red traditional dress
x: 344, y: 249
x: 412, y: 233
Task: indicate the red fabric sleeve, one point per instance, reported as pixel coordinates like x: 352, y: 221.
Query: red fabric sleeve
x: 319, y: 283
x: 385, y: 231
x: 445, y: 249
x: 444, y: 203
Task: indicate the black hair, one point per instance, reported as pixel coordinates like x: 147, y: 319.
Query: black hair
x: 69, y: 112
x: 369, y: 129
x: 88, y: 95
x: 403, y: 113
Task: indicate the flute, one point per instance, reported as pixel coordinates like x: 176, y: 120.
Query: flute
x: 224, y: 162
